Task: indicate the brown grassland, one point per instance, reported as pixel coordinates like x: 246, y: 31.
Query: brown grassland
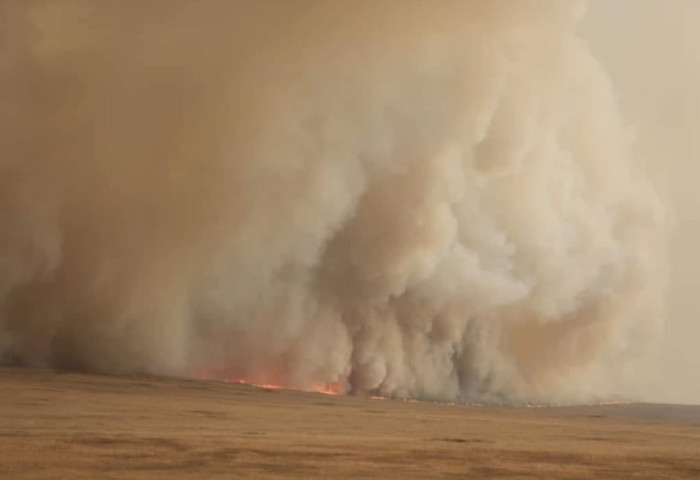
x: 74, y: 426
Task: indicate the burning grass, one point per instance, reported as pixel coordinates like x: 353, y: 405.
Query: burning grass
x: 327, y: 388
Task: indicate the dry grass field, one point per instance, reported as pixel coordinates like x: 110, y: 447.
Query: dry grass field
x: 72, y: 426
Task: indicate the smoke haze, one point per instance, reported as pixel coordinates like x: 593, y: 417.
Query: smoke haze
x: 650, y: 48
x: 422, y: 199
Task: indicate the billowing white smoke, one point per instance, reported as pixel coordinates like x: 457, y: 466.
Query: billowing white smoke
x: 420, y: 198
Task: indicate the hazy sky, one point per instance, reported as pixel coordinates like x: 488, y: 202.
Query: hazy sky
x: 651, y: 49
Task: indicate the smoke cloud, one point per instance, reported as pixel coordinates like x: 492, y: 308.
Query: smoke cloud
x: 428, y: 199
x: 650, y: 48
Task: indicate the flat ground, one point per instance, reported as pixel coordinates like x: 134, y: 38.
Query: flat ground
x: 55, y: 425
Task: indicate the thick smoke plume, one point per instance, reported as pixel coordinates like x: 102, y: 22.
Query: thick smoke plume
x: 414, y: 198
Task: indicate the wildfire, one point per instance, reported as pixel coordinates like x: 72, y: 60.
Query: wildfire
x: 328, y: 388
x: 268, y: 386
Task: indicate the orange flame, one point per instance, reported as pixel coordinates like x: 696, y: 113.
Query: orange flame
x: 328, y: 388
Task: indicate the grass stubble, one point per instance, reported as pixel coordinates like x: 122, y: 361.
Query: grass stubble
x: 77, y: 426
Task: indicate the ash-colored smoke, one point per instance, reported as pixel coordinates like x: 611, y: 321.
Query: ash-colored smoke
x: 422, y: 198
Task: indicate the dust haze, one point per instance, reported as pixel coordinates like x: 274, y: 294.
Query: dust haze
x: 437, y: 200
